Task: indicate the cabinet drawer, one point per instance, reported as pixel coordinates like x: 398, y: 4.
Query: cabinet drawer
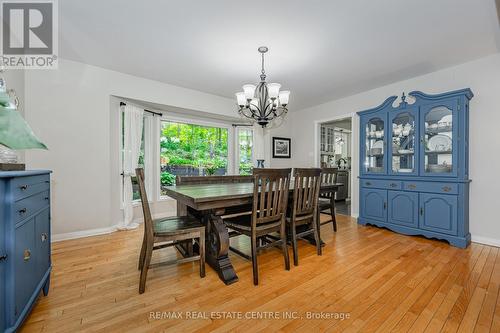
x: 432, y: 187
x: 29, y: 206
x: 384, y: 184
x: 24, y: 187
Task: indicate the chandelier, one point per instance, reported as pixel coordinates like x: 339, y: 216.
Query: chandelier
x: 262, y: 102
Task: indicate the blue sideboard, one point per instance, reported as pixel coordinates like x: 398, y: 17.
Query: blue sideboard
x: 414, y: 165
x: 25, y: 263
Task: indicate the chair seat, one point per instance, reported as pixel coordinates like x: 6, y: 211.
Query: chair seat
x: 171, y: 225
x: 243, y: 223
x: 324, y: 202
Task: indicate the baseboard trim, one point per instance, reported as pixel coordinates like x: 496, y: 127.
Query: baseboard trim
x: 83, y: 233
x: 486, y: 240
x: 99, y: 231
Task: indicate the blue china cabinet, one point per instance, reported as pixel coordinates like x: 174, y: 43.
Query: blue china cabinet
x: 414, y: 171
x: 25, y: 263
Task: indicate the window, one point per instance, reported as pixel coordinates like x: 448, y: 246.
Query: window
x: 245, y: 151
x: 191, y: 150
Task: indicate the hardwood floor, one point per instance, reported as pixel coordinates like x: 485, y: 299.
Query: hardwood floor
x: 374, y: 279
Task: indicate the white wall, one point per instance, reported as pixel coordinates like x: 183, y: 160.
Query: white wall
x: 483, y: 77
x: 72, y: 110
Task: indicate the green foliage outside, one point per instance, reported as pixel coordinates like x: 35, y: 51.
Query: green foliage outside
x: 185, y: 145
x: 245, y: 141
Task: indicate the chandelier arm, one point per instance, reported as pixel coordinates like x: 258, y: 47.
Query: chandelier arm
x: 271, y: 111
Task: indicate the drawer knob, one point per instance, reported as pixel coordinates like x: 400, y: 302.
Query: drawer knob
x: 46, y: 198
x: 412, y: 186
x: 368, y: 184
x: 23, y: 187
x: 27, y: 254
x: 22, y: 211
x: 394, y: 185
x: 44, y: 237
x: 3, y: 257
x: 446, y: 188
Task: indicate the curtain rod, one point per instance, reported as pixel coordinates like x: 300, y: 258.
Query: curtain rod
x: 242, y: 125
x: 152, y: 112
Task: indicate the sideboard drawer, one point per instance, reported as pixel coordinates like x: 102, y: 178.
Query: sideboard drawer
x: 24, y: 187
x: 383, y: 184
x: 431, y: 187
x: 27, y: 207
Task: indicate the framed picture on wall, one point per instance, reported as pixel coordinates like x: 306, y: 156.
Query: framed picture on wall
x: 281, y: 147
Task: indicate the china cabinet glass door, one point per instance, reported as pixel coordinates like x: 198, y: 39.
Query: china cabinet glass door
x: 403, y: 138
x: 374, y: 145
x: 440, y: 125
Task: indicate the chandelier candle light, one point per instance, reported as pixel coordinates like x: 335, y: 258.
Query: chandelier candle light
x: 264, y: 102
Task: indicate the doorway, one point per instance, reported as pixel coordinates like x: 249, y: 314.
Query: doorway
x: 335, y: 151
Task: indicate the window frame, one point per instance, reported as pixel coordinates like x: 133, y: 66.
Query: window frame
x: 238, y: 147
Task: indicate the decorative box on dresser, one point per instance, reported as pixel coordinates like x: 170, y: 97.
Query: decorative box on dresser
x: 414, y: 166
x: 25, y: 263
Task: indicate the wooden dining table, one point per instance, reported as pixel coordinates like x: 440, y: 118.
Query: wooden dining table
x: 210, y: 202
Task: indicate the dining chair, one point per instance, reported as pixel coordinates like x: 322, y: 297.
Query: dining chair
x: 304, y: 208
x: 162, y: 233
x: 327, y: 199
x: 270, y: 198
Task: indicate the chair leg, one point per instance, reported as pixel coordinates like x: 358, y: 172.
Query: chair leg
x: 254, y: 260
x: 145, y: 267
x: 332, y: 212
x: 202, y: 253
x: 294, y: 245
x: 285, y: 246
x: 143, y: 253
x: 317, y: 238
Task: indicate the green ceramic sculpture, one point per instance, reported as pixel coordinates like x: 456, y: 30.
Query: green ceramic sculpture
x: 15, y: 133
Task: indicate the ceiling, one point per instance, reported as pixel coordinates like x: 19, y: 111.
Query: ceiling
x: 319, y: 49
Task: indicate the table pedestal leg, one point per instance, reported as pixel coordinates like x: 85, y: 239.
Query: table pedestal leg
x: 217, y: 244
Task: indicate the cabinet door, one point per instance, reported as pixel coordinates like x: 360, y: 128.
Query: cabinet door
x: 438, y: 212
x: 439, y: 139
x: 373, y: 144
x: 42, y: 239
x: 24, y: 260
x: 374, y: 204
x: 403, y: 208
x: 403, y: 142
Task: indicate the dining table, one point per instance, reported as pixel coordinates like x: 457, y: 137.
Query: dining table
x: 210, y: 203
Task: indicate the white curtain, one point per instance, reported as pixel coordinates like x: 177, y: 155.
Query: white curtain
x: 133, y: 123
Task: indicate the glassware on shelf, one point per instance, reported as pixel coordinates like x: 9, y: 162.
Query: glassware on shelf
x: 403, y: 138
x: 374, y: 144
x: 438, y: 140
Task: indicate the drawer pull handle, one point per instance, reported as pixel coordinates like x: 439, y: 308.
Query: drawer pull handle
x: 446, y: 188
x: 46, y: 198
x: 385, y: 205
x: 422, y: 211
x: 23, y: 187
x: 3, y: 257
x: 27, y: 254
x: 412, y: 186
x: 44, y: 237
x: 394, y: 185
x: 368, y: 184
x: 22, y: 211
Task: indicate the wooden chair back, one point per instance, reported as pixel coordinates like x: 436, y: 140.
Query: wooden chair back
x: 148, y: 220
x: 328, y: 176
x: 193, y: 180
x: 270, y: 195
x: 306, y: 191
